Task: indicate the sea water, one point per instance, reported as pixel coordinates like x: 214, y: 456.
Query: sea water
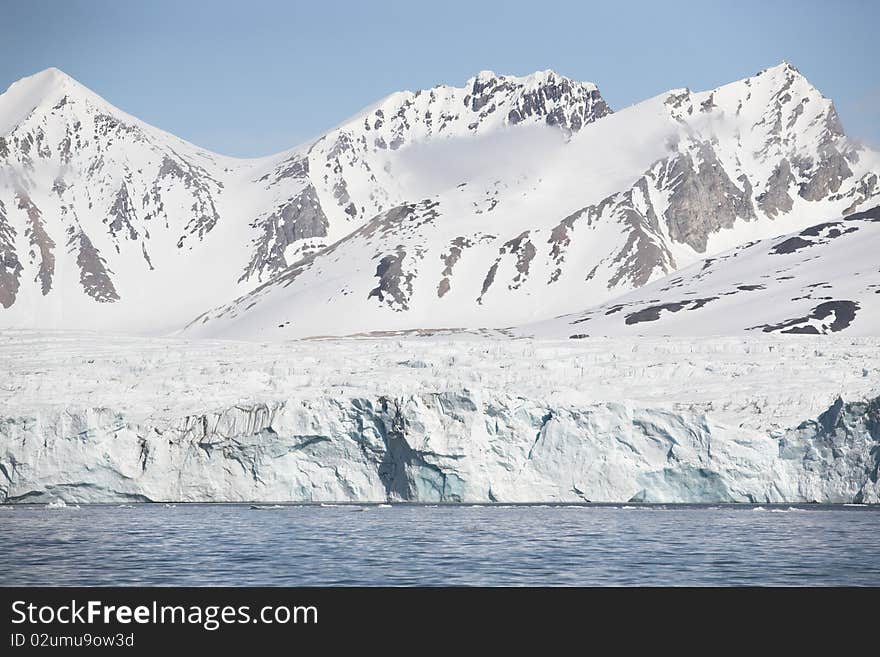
x: 220, y: 544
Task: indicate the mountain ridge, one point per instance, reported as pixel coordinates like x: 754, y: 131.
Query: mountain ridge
x: 505, y: 201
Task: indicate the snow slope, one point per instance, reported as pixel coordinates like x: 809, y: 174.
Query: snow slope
x: 823, y: 279
x: 93, y: 418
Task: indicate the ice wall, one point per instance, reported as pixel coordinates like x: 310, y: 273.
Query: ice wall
x: 440, y: 447
x: 748, y: 424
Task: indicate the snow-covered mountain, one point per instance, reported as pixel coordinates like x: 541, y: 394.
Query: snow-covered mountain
x: 107, y: 222
x: 535, y: 228
x: 820, y: 280
x: 503, y: 202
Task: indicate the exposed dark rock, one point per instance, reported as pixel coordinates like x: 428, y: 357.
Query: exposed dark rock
x: 560, y: 239
x: 704, y: 199
x: 442, y: 287
x: 775, y: 199
x: 825, y: 177
x: 395, y: 285
x: 818, y: 229
x: 559, y: 101
x: 843, y: 312
x: 521, y: 247
x: 791, y: 245
x: 295, y: 167
x: 199, y: 182
x: 866, y: 188
x: 867, y: 215
x: 106, y: 124
x: 344, y: 149
x: 146, y: 256
x: 340, y: 193
x: 709, y: 104
x: 525, y: 252
x: 59, y: 186
x: 39, y: 241
x: 449, y: 260
x: 10, y: 265
x: 644, y: 250
x: 299, y: 218
x: 93, y: 273
x: 170, y: 168
x: 487, y: 282
x: 680, y: 104
x: 407, y: 218
x: 652, y: 313
x: 820, y: 234
x: 122, y: 215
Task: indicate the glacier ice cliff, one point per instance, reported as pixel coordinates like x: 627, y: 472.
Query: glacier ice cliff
x: 440, y: 447
x: 410, y: 420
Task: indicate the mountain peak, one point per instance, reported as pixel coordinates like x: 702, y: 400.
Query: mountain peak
x: 786, y: 80
x: 45, y: 81
x: 53, y: 73
x: 785, y: 66
x: 27, y: 94
x: 785, y: 72
x: 534, y: 79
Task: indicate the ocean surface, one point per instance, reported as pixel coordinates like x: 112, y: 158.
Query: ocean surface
x: 296, y: 545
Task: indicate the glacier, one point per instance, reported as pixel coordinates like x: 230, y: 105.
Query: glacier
x: 445, y: 416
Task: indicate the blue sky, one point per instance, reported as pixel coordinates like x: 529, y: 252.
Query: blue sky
x: 256, y: 77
